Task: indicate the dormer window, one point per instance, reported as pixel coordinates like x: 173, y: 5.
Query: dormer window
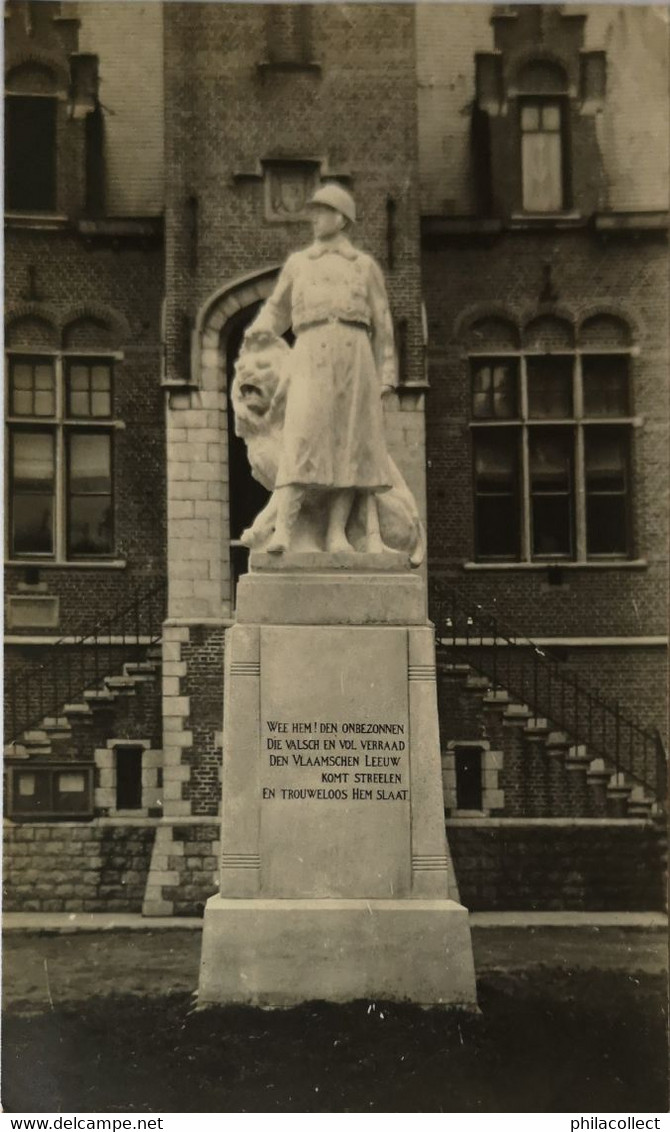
x: 543, y: 128
x: 542, y: 155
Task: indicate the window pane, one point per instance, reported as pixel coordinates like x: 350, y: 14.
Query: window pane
x: 22, y: 403
x: 71, y: 783
x: 32, y: 523
x: 530, y: 117
x: 79, y: 404
x: 44, y: 376
x: 100, y: 378
x: 551, y: 117
x: 504, y: 391
x: 30, y: 153
x: 550, y: 457
x: 33, y: 466
x: 494, y: 385
x: 549, y: 387
x: 542, y: 172
x: 606, y: 464
x: 78, y: 376
x: 605, y: 382
x: 550, y: 460
x: 90, y: 525
x: 26, y: 785
x: 551, y: 525
x: 32, y: 386
x: 22, y: 376
x: 605, y: 461
x: 497, y: 527
x: 495, y: 462
x: 90, y: 514
x: 606, y: 531
x: 101, y: 405
x: 90, y: 470
x: 44, y: 403
x: 497, y: 503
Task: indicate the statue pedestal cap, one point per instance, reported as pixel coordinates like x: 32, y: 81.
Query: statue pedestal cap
x: 336, y: 879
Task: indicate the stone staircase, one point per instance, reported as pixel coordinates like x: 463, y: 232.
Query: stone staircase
x: 75, y: 731
x: 544, y: 771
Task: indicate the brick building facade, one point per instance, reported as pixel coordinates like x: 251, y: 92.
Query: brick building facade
x: 519, y: 213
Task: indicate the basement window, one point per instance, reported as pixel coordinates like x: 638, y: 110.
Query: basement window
x: 128, y: 778
x: 468, y: 765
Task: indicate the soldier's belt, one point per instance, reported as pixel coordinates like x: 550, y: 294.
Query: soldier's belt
x: 333, y: 318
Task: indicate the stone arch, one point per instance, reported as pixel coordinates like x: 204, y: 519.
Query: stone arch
x: 549, y: 332
x: 95, y: 324
x: 30, y: 329
x: 87, y: 333
x: 540, y: 74
x: 607, y: 328
x: 488, y: 323
x: 208, y: 361
x: 36, y: 72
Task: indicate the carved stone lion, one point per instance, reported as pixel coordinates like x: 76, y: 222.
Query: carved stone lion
x: 258, y: 395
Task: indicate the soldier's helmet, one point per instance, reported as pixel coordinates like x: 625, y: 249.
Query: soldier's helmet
x: 334, y: 196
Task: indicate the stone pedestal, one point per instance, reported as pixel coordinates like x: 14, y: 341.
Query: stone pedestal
x: 336, y: 880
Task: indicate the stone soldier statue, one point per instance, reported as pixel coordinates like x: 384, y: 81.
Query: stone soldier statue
x: 332, y: 446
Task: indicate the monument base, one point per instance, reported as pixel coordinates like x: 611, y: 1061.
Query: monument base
x: 280, y: 953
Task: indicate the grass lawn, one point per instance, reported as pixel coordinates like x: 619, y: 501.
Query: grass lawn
x: 547, y: 1040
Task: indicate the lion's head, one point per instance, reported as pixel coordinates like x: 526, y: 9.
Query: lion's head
x: 256, y: 392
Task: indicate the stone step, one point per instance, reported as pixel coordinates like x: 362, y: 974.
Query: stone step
x: 77, y: 709
x: 639, y: 803
x: 120, y: 683
x: 577, y: 757
x: 517, y: 713
x: 497, y: 697
x: 619, y: 784
x: 15, y: 751
x: 597, y: 771
x: 537, y: 725
x: 99, y: 695
x: 35, y: 736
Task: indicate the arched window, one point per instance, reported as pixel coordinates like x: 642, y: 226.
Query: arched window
x: 552, y: 433
x: 543, y: 120
x: 61, y: 426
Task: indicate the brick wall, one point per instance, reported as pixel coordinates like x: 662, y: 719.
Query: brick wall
x: 223, y: 117
x: 596, y: 867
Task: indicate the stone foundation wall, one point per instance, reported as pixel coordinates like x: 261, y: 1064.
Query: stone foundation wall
x: 184, y: 868
x: 595, y: 866
x: 71, y: 867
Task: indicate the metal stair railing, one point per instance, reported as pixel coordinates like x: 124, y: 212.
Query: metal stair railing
x: 80, y: 665
x: 515, y: 664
